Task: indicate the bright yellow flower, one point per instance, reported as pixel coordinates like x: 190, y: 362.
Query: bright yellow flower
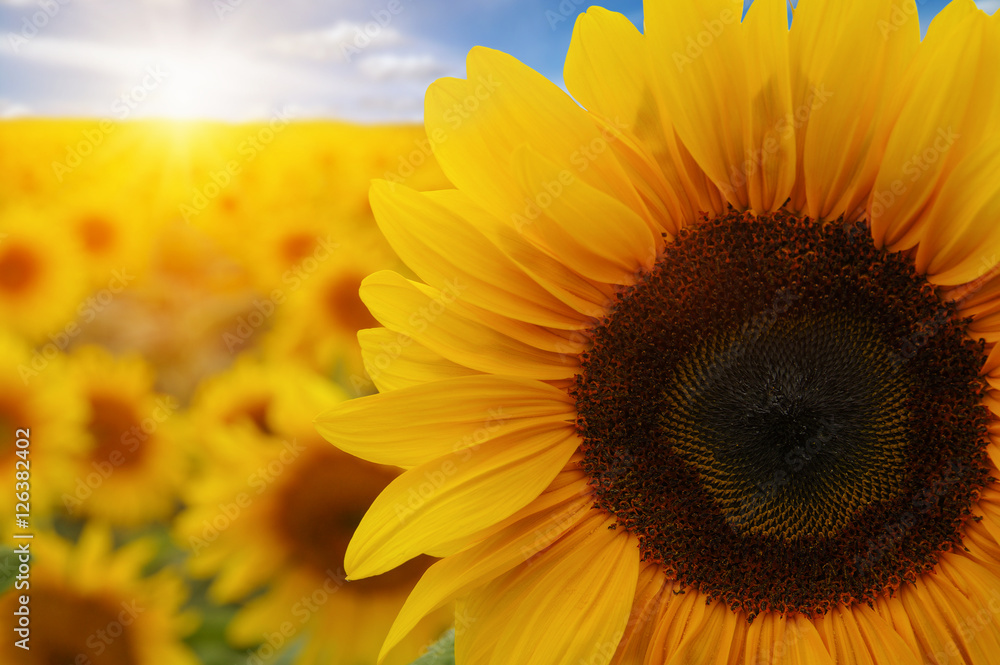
x: 89, y: 603
x: 320, y: 313
x: 132, y: 467
x: 31, y: 179
x: 178, y: 312
x: 40, y: 286
x: 253, y: 399
x: 276, y: 505
x: 705, y: 370
x: 36, y: 395
x: 109, y: 233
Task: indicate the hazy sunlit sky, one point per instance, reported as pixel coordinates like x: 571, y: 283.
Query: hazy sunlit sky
x: 367, y: 60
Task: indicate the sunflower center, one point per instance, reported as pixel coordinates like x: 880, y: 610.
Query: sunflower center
x: 802, y: 414
x: 297, y: 247
x: 97, y: 233
x: 117, y: 431
x: 19, y: 268
x: 320, y: 508
x: 254, y: 410
x: 345, y: 306
x: 67, y: 626
x: 11, y: 418
x: 787, y: 417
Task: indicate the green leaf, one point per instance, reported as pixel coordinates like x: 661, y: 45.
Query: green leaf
x: 8, y: 568
x: 441, y: 652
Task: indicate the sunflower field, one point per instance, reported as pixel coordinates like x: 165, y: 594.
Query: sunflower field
x: 179, y: 300
x: 691, y: 357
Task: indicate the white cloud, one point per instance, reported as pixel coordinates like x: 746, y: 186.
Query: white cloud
x: 81, y: 54
x: 988, y: 6
x: 388, y: 66
x: 167, y: 4
x: 338, y: 42
x: 409, y: 107
x: 10, y: 109
x: 352, y: 70
x: 182, y: 80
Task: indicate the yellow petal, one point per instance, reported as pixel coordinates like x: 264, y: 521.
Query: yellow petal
x: 477, y: 123
x: 568, y: 286
x: 939, y: 612
x: 763, y: 635
x: 439, y: 245
x: 992, y: 363
x: 980, y: 543
x: 961, y: 234
x: 733, y: 119
x: 590, y: 231
x: 680, y: 615
x: 989, y: 509
x: 436, y: 319
x: 952, y: 106
x: 987, y: 328
x: 858, y: 636
x: 651, y: 589
x: 459, y: 493
x: 463, y: 572
x: 570, y: 481
x: 570, y: 605
x: 983, y: 292
x: 769, y: 141
x: 713, y: 640
x: 803, y: 644
x: 393, y: 360
x: 992, y: 402
x: 417, y: 425
x: 848, y: 59
x: 892, y: 611
x: 607, y: 70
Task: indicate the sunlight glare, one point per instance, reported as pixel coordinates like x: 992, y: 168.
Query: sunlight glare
x: 197, y: 85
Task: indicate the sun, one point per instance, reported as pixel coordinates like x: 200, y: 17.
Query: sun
x: 182, y: 79
x: 201, y: 84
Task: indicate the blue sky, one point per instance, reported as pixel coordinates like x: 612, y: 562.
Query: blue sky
x: 367, y: 60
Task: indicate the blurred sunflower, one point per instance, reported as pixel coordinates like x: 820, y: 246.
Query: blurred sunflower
x: 275, y: 505
x: 91, y: 604
x: 257, y: 401
x: 106, y: 232
x: 178, y: 313
x: 132, y: 466
x: 321, y: 312
x: 35, y: 394
x: 705, y: 370
x: 29, y: 180
x: 40, y: 287
x: 276, y: 251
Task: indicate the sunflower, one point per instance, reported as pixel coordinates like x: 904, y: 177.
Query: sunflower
x: 132, y: 466
x: 276, y: 251
x: 32, y: 179
x: 89, y: 603
x: 275, y: 506
x: 36, y: 395
x: 243, y: 397
x: 703, y: 365
x: 40, y: 288
x: 107, y: 235
x: 318, y: 312
x: 180, y: 312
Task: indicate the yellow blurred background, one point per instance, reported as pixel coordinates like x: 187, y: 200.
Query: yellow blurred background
x: 179, y: 300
